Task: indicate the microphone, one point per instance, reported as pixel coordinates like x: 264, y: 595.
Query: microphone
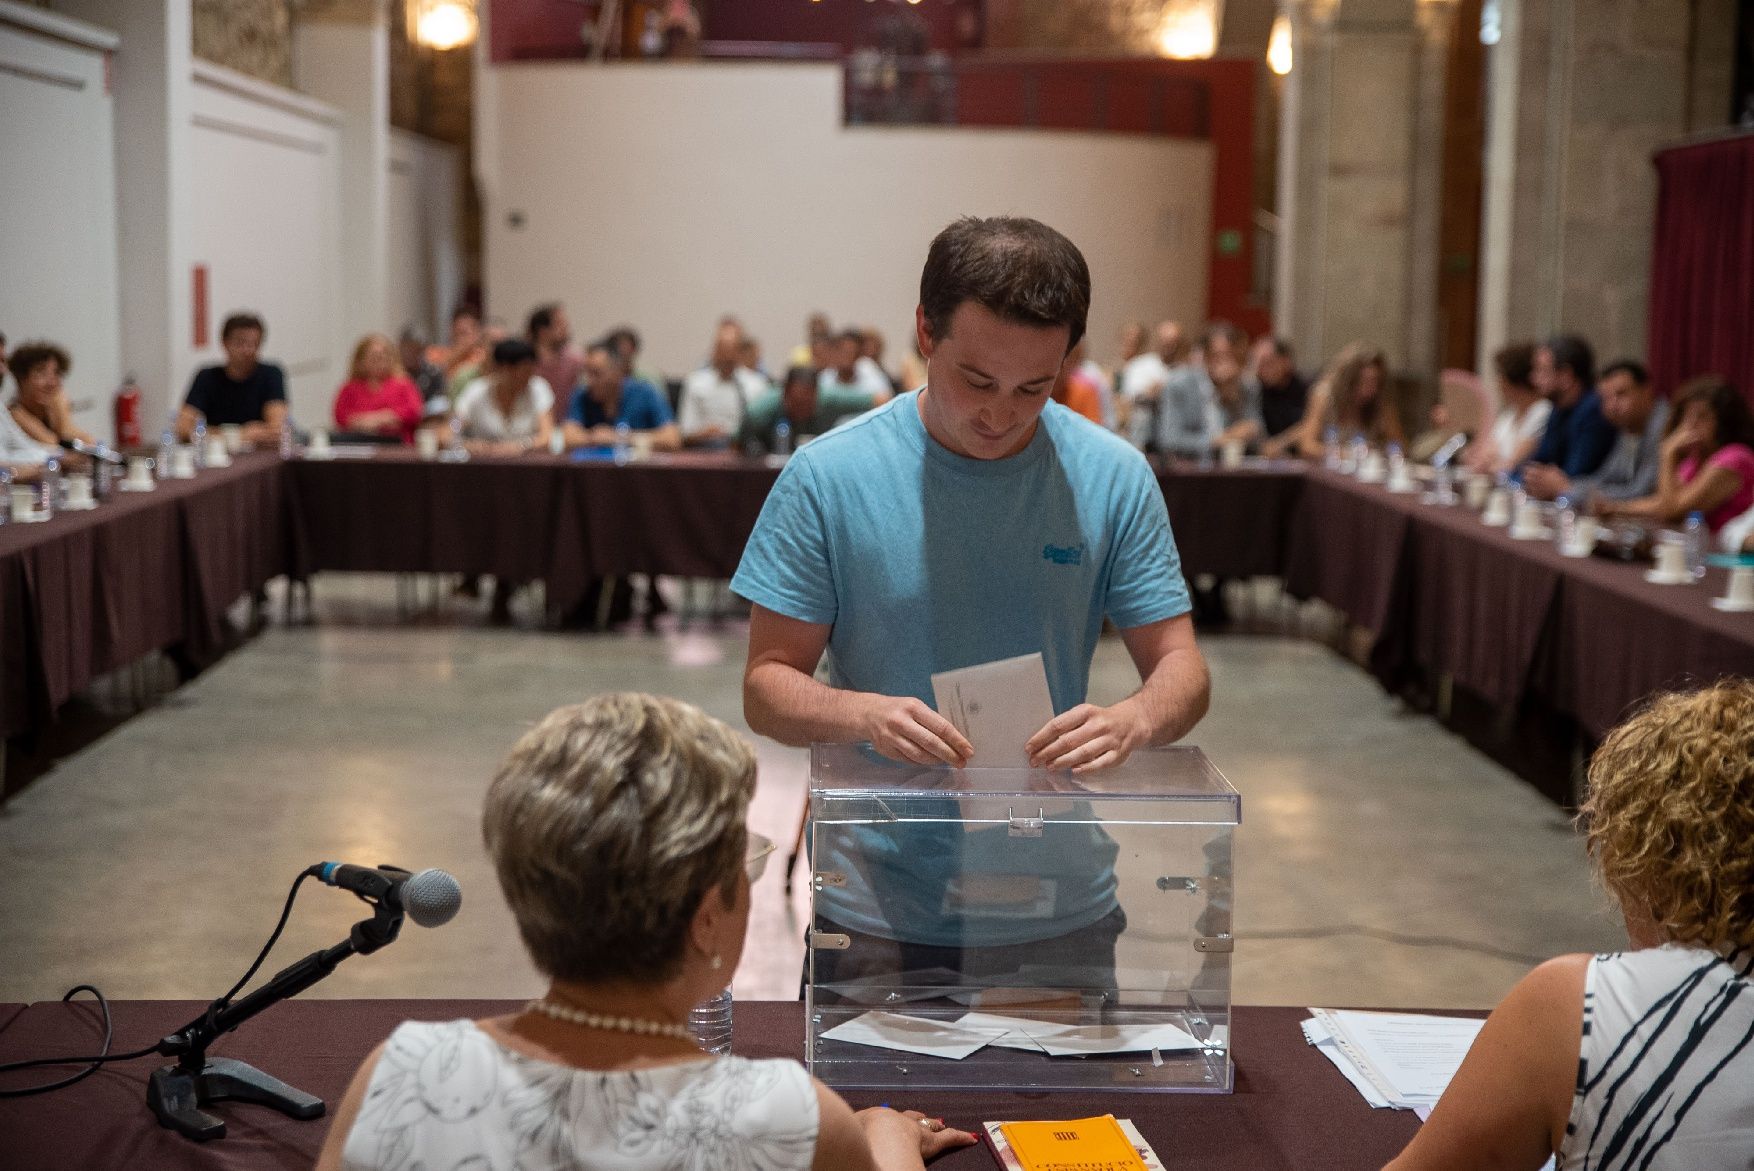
x: 97, y: 451
x: 431, y: 898
x: 1448, y: 451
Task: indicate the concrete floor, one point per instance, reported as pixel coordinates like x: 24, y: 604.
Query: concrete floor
x: 1381, y: 861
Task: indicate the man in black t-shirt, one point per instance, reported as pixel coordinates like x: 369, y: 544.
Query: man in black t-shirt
x: 243, y: 391
x: 1284, y: 392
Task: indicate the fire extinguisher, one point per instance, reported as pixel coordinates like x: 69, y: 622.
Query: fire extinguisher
x: 128, y: 415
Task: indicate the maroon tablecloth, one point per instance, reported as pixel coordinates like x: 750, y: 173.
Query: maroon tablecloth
x: 1231, y: 523
x: 87, y: 592
x: 1291, y: 1108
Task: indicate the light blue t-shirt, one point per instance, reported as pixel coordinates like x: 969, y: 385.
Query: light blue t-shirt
x: 922, y: 561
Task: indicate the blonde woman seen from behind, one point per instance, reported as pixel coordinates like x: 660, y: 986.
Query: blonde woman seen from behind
x: 617, y: 830
x: 1643, y: 1058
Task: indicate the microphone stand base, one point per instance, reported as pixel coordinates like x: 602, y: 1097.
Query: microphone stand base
x: 176, y: 1095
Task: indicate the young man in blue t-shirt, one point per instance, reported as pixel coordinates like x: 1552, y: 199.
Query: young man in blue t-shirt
x: 970, y: 521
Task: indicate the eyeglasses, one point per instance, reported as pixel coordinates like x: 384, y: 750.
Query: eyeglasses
x: 755, y: 862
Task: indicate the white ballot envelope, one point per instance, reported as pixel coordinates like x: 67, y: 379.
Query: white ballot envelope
x: 998, y: 706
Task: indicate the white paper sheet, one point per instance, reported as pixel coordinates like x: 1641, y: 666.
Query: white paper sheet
x: 1316, y: 1033
x: 998, y: 706
x: 887, y: 1030
x: 1408, y: 1057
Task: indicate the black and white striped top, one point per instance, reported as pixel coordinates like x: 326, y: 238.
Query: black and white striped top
x: 1665, y: 1077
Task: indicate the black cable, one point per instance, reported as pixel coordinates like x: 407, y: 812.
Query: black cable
x: 92, y: 1064
x: 285, y: 913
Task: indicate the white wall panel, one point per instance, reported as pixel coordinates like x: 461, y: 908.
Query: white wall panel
x: 666, y: 195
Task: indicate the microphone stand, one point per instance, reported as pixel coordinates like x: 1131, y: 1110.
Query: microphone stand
x: 176, y: 1092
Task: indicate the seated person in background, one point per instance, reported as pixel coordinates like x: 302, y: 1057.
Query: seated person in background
x: 1354, y: 397
x: 41, y: 408
x: 872, y: 352
x: 1629, y: 402
x: 462, y: 357
x: 803, y: 405
x: 749, y: 357
x: 245, y: 391
x: 428, y: 379
x: 1706, y: 462
x: 624, y: 344
x: 617, y: 831
x: 850, y: 370
x: 507, y: 410
x: 1578, y: 436
x: 1638, y: 1058
x: 1284, y: 392
x: 558, y: 361
x: 1522, y: 417
x: 607, y: 397
x: 378, y: 398
x: 1203, y: 409
x: 1074, y: 388
x: 716, y: 397
x: 1141, y: 383
x: 818, y: 336
x: 21, y: 454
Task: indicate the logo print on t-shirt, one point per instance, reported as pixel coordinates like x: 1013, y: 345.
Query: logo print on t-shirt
x: 1063, y: 555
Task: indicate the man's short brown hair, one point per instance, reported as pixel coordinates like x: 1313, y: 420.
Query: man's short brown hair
x: 1016, y: 268
x: 239, y: 321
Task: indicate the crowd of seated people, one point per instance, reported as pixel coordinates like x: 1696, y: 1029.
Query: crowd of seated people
x: 1605, y: 441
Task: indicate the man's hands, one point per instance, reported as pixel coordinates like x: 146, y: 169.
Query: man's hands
x: 903, y: 728
x: 1545, y: 482
x: 1087, y: 738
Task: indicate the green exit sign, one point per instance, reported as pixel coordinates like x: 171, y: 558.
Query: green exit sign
x: 1230, y: 242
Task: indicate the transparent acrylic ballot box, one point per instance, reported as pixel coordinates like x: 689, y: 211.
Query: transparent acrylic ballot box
x: 1016, y: 928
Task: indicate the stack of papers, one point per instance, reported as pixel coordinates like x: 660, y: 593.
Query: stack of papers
x: 974, y: 1031
x: 1394, y: 1059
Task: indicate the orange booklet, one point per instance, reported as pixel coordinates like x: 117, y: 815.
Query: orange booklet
x: 1084, y: 1144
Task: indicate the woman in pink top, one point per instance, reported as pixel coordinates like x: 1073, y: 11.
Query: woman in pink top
x: 378, y: 399
x: 1707, y: 459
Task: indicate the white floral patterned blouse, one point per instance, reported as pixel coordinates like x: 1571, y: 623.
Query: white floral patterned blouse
x: 447, y: 1097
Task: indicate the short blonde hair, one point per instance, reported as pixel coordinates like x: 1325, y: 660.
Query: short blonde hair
x: 1670, y: 814
x: 608, y: 823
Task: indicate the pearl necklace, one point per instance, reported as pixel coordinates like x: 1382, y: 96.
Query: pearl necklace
x: 613, y: 1024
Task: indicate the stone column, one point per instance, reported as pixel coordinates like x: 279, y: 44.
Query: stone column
x: 341, y: 55
x: 1582, y: 93
x: 1360, y: 168
x: 153, y: 89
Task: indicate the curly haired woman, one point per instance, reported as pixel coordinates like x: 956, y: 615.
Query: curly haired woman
x: 1642, y: 1058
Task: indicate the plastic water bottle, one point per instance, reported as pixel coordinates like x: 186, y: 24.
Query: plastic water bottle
x: 166, y: 442
x: 286, y: 447
x: 710, y: 1022
x: 1693, y: 536
x: 200, y: 439
x: 623, y: 442
x: 1566, y: 529
x: 1331, y: 457
x: 556, y: 441
x: 49, y: 488
x: 5, y: 496
x: 782, y: 438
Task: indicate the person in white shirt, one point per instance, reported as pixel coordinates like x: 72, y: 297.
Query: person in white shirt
x: 506, y: 411
x: 1142, y: 381
x: 716, y: 398
x: 617, y: 831
x: 1521, y: 419
x: 18, y: 451
x: 852, y: 371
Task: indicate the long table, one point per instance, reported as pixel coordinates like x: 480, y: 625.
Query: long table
x: 1442, y: 594
x: 1290, y: 1108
